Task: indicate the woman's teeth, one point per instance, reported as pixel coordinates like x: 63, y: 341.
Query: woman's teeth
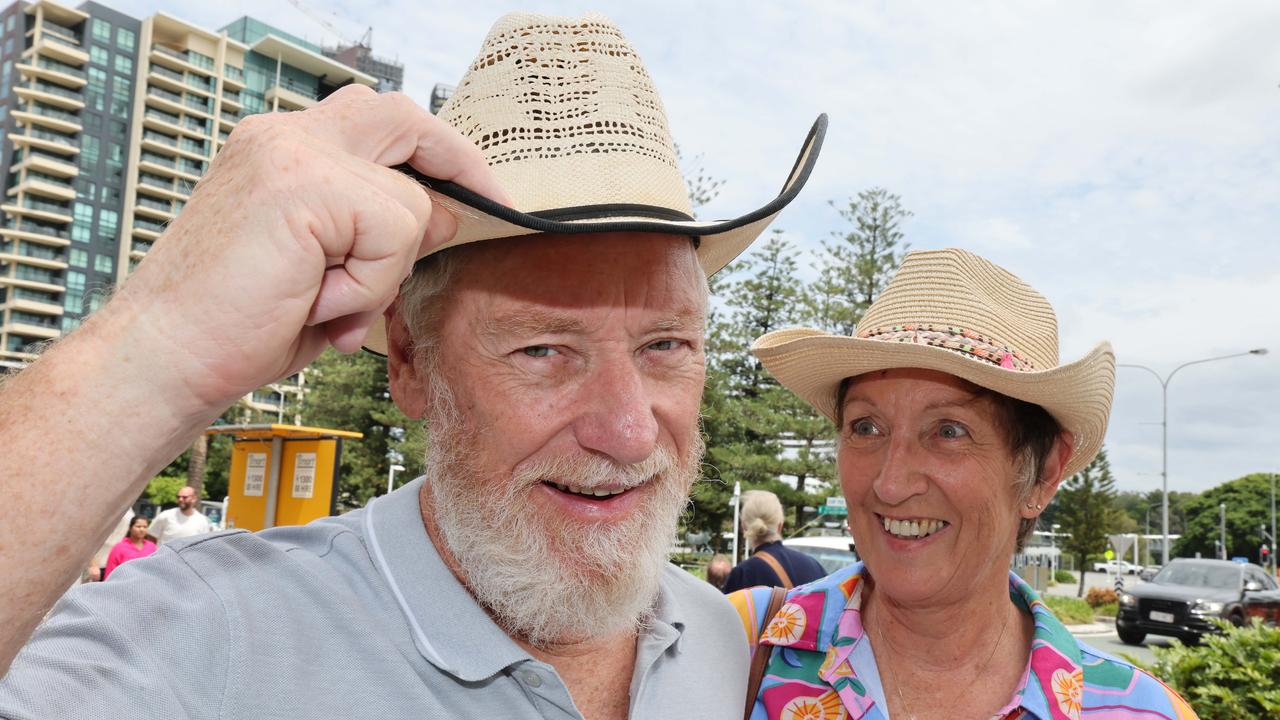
x: 585, y: 491
x: 913, y: 528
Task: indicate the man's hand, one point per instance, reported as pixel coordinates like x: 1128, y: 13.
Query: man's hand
x: 299, y: 235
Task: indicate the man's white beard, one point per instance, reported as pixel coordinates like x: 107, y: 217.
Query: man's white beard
x: 552, y: 580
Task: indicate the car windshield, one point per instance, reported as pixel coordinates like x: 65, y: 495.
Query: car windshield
x: 831, y: 559
x: 1199, y: 575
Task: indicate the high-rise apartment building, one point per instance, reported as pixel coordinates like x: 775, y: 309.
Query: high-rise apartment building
x: 108, y: 123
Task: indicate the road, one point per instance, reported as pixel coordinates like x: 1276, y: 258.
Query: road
x: 1110, y: 643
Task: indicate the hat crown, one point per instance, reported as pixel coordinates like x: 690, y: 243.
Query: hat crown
x: 952, y: 290
x: 567, y: 116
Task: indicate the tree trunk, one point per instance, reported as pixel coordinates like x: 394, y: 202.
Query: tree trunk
x: 195, y: 463
x: 1083, y: 559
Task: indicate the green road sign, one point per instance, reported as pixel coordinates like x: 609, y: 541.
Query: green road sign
x: 832, y: 510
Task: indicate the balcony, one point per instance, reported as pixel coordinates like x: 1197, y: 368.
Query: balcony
x: 233, y: 75
x: 62, y: 49
x: 229, y: 118
x: 39, y: 210
x: 182, y: 59
x: 292, y: 95
x: 158, y: 208
x: 32, y: 301
x: 58, y: 120
x: 200, y: 83
x: 169, y: 100
x: 166, y: 76
x: 233, y: 99
x: 147, y: 228
x: 45, y: 185
x: 140, y: 247
x: 45, y: 140
x: 35, y: 279
x: 41, y: 326
x: 36, y: 255
x: 54, y: 71
x: 50, y: 94
x: 35, y: 232
x: 200, y: 105
x: 46, y: 162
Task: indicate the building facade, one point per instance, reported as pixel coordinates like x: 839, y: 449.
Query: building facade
x: 109, y: 121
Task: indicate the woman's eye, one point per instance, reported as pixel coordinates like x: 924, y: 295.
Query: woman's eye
x: 952, y: 431
x: 539, y: 351
x: 864, y: 427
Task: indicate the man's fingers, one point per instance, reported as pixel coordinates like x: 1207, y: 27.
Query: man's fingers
x: 391, y: 129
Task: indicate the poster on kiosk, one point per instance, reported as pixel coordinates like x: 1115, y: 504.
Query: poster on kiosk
x: 281, y: 474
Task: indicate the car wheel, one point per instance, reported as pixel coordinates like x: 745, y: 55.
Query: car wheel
x: 1190, y: 640
x: 1236, y: 618
x: 1129, y: 636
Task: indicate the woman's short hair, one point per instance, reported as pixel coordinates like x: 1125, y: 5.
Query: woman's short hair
x: 1029, y: 432
x: 761, y: 516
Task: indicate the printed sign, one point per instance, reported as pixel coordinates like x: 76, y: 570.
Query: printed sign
x: 255, y: 474
x: 304, y: 475
x: 836, y: 501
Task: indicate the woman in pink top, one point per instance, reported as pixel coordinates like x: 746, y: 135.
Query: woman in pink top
x: 136, y: 543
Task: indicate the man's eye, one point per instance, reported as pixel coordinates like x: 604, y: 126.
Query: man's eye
x: 539, y: 351
x: 864, y: 427
x: 663, y: 345
x: 952, y: 431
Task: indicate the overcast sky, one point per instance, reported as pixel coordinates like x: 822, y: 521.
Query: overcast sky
x: 1124, y: 160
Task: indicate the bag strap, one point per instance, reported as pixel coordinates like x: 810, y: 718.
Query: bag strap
x: 760, y: 658
x: 777, y: 568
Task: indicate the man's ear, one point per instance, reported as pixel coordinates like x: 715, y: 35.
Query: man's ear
x: 408, y: 387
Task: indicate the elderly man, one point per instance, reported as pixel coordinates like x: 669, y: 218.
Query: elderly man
x: 554, y: 351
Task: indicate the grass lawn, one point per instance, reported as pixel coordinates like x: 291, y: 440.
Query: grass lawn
x: 1071, y: 611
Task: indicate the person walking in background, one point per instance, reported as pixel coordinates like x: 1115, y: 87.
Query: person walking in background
x: 770, y: 563
x: 138, y: 542
x: 94, y: 573
x: 182, y: 521
x: 718, y: 569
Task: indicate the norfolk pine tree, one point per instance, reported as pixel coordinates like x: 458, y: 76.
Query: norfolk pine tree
x: 1085, y: 508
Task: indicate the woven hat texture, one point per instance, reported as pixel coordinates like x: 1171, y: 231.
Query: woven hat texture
x: 954, y: 312
x: 572, y: 126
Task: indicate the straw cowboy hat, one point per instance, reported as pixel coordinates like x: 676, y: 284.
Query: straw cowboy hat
x: 952, y: 311
x: 573, y: 128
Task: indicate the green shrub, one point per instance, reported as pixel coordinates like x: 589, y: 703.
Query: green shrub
x: 1110, y: 609
x: 1069, y: 610
x: 1232, y: 675
x: 1063, y: 576
x: 1097, y: 597
x: 163, y: 490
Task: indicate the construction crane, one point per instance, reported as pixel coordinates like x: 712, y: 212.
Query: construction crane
x: 365, y: 41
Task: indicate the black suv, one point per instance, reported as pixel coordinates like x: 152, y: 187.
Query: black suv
x: 1182, y: 597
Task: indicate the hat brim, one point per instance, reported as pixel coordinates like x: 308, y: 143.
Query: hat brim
x: 812, y: 364
x: 719, y: 242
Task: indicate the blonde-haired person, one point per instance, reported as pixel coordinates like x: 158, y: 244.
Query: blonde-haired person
x: 771, y: 563
x: 956, y: 423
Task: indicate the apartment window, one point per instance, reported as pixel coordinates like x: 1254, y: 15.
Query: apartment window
x: 8, y: 46
x: 104, y: 264
x: 69, y: 324
x: 125, y: 38
x: 73, y: 300
x: 8, y: 24
x: 92, y: 122
x: 78, y: 258
x: 108, y: 222
x: 124, y: 64
x: 101, y: 30
x: 97, y: 78
x: 98, y: 55
x: 110, y: 195
x: 90, y: 147
x: 83, y: 213
x: 81, y: 233
x: 120, y: 102
x: 119, y: 129
x: 115, y: 155
x: 85, y: 189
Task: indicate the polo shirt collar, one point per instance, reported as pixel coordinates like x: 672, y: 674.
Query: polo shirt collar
x: 470, y: 645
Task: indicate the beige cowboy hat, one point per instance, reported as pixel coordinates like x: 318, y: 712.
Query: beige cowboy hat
x: 954, y: 312
x: 574, y: 130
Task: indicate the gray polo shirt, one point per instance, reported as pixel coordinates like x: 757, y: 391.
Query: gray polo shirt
x: 354, y: 616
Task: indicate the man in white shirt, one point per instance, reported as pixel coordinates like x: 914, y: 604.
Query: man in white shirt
x: 182, y: 521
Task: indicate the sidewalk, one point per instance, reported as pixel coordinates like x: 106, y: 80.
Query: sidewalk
x: 1101, y: 625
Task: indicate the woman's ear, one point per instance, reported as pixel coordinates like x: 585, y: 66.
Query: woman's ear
x: 1046, y: 486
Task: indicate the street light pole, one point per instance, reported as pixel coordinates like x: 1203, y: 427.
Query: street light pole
x: 1164, y: 437
x: 1273, y: 523
x: 1222, y: 527
x: 391, y: 476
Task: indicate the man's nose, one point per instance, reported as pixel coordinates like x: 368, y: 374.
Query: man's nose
x: 617, y: 418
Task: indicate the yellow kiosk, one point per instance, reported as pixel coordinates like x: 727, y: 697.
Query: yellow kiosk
x: 281, y: 474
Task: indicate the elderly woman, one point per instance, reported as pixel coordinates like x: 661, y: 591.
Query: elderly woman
x: 956, y: 424
x: 771, y: 563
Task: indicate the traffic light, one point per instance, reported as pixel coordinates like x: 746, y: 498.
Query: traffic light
x: 1266, y: 555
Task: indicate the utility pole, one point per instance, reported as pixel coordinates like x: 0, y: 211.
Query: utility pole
x: 1222, y: 527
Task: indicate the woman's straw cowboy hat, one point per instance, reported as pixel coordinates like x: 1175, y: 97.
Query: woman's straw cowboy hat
x: 573, y: 128
x: 952, y: 311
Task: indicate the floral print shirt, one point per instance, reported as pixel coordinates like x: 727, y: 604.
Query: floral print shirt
x: 822, y: 668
